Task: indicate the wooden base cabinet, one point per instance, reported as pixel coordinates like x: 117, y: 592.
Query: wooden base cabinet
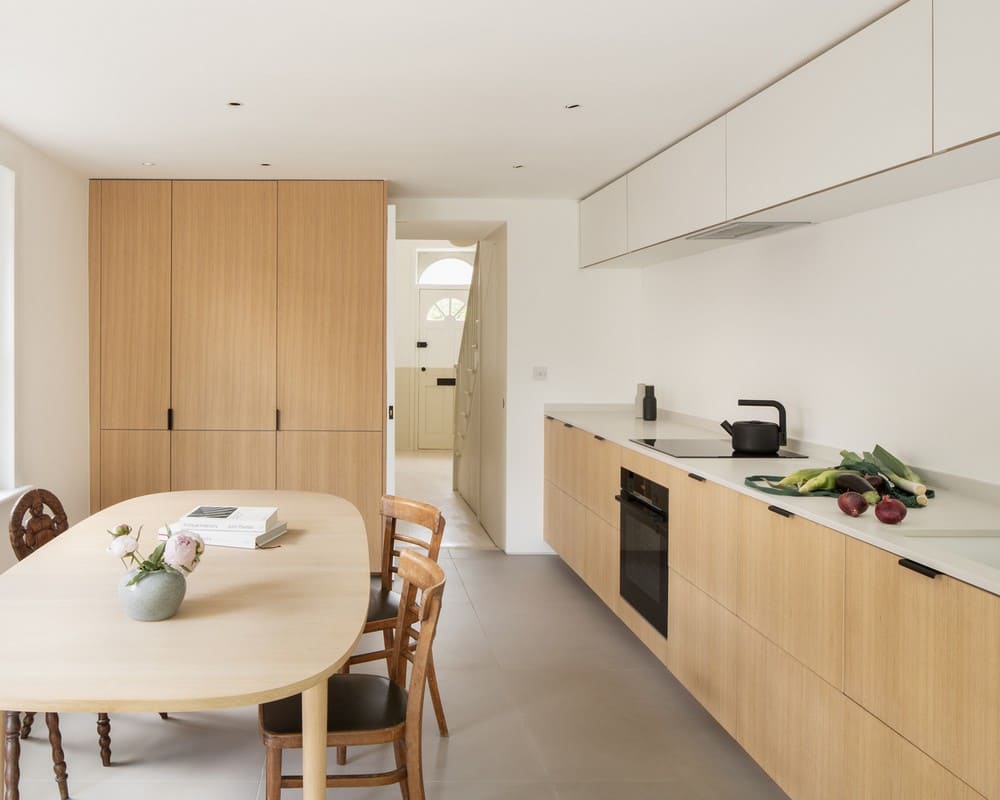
x: 790, y: 584
x: 923, y: 654
x: 348, y: 464
x: 222, y: 460
x: 133, y: 463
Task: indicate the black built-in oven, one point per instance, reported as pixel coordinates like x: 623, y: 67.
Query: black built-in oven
x: 643, y: 575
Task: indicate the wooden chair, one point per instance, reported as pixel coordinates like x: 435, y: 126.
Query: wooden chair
x: 383, y: 605
x: 371, y: 709
x: 30, y: 528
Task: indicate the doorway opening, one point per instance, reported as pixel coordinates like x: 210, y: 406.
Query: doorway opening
x: 438, y: 316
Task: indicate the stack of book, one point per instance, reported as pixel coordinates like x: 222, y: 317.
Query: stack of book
x: 232, y: 526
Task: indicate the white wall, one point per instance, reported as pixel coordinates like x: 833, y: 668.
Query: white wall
x: 578, y: 323
x: 880, y: 327
x: 50, y: 317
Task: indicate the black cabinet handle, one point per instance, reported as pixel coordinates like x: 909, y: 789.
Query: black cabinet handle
x: 277, y: 419
x: 696, y: 477
x: 548, y: 417
x: 599, y: 438
x: 170, y: 419
x: 917, y: 567
x: 567, y: 425
x: 780, y: 511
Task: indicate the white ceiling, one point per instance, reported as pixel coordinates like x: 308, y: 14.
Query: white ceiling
x: 441, y: 97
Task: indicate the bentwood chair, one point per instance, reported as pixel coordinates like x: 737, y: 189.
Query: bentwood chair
x: 30, y: 528
x: 371, y: 709
x: 383, y: 604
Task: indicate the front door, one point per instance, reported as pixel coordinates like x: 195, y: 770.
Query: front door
x: 442, y: 319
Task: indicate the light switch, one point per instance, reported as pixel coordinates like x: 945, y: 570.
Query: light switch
x: 539, y: 373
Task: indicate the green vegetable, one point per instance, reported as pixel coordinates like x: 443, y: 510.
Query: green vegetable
x: 798, y: 478
x: 825, y: 481
x: 893, y: 464
x: 906, y: 484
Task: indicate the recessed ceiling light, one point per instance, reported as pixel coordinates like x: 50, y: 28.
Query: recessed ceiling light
x: 149, y: 163
x: 235, y: 103
x: 572, y: 105
x: 519, y: 166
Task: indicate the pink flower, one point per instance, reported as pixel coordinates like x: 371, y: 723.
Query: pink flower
x: 183, y: 551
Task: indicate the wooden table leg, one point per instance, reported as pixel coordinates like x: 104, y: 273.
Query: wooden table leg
x: 314, y: 742
x: 12, y: 754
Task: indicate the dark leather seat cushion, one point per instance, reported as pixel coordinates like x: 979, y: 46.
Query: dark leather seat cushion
x: 382, y: 605
x: 354, y: 703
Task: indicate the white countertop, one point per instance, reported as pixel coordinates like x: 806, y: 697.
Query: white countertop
x: 974, y: 560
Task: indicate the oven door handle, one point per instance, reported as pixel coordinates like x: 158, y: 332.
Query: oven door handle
x: 638, y: 508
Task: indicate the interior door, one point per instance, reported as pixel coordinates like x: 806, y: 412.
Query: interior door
x: 441, y: 321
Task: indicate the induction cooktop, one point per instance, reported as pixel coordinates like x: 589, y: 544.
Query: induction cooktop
x: 707, y: 448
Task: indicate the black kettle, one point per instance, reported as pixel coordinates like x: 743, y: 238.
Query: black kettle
x: 754, y: 436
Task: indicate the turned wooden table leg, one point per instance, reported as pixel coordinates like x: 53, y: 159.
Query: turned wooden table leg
x: 58, y: 759
x: 26, y: 723
x: 12, y: 755
x: 104, y: 737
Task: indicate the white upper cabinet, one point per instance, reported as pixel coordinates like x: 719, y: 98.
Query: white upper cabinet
x: 603, y: 225
x: 862, y: 107
x: 966, y: 71
x: 680, y: 190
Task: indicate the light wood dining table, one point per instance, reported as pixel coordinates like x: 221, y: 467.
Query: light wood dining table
x: 255, y: 625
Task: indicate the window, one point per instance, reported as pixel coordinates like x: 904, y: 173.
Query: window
x: 448, y: 271
x: 447, y: 308
x: 6, y: 328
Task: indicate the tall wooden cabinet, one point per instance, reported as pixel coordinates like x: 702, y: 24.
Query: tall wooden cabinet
x: 251, y: 315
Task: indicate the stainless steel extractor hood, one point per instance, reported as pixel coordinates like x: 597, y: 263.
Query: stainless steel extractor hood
x: 744, y: 229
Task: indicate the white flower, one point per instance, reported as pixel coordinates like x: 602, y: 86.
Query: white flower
x: 122, y: 546
x: 183, y: 551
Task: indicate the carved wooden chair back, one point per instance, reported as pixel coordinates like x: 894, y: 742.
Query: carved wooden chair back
x: 395, y: 509
x: 30, y: 525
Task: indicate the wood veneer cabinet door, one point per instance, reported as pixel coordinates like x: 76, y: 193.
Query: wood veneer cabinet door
x: 348, y: 464
x: 792, y: 722
x: 601, y: 557
x: 923, y: 655
x: 703, y: 521
x: 331, y: 305
x: 602, y: 464
x: 222, y: 460
x: 224, y: 305
x: 133, y: 463
x: 134, y: 255
x: 790, y: 585
x: 701, y: 649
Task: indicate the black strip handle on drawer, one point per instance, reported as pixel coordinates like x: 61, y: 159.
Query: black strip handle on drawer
x: 917, y: 567
x: 696, y: 477
x: 170, y: 419
x: 446, y: 381
x: 599, y: 438
x: 567, y: 425
x: 780, y: 511
x: 548, y: 417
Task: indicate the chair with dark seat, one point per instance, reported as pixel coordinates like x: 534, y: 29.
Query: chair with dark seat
x: 383, y: 604
x: 31, y: 527
x: 371, y: 709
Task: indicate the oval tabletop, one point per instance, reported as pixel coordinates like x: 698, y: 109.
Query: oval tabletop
x: 254, y: 626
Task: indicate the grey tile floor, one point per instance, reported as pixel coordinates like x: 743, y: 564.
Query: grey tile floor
x: 548, y: 697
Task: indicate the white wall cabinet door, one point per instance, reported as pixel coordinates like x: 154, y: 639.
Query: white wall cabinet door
x: 966, y: 71
x: 680, y: 190
x: 860, y: 108
x: 603, y: 224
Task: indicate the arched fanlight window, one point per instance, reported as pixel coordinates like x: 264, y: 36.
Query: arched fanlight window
x: 447, y: 272
x: 447, y: 308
